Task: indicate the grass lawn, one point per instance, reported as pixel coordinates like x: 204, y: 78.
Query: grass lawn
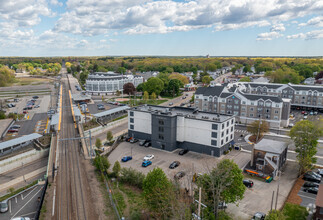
x: 23, y: 81
x: 130, y: 200
x: 141, y: 102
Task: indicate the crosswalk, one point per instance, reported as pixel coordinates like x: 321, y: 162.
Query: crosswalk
x: 40, y: 126
x: 241, y: 131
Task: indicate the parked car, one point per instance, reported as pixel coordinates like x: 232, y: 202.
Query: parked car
x: 291, y: 125
x: 149, y: 157
x: 174, y: 164
x: 15, y: 126
x: 146, y: 163
x: 21, y: 218
x: 129, y: 139
x: 133, y: 140
x: 182, y: 104
x: 179, y: 175
x: 310, y: 184
x: 29, y: 107
x: 315, y: 113
x: 9, y: 105
x: 35, y: 97
x: 37, y: 106
x: 25, y: 112
x: 248, y: 183
x: 222, y: 205
x: 25, y: 108
x: 184, y: 97
x: 311, y: 178
x: 303, y: 112
x: 320, y: 171
x: 170, y: 104
x: 126, y: 158
x: 311, y: 113
x: 259, y: 216
x: 314, y: 173
x: 13, y: 130
x: 142, y: 142
x: 147, y: 144
x: 312, y: 190
x: 305, y: 117
x: 51, y: 112
x: 4, y: 206
x: 182, y: 152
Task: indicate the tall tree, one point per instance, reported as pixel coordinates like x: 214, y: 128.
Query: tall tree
x: 173, y: 87
x: 305, y: 136
x: 101, y: 163
x: 180, y: 77
x: 206, y: 80
x: 157, y: 193
x: 116, y: 168
x: 98, y: 143
x: 222, y: 184
x: 258, y: 128
x: 245, y: 79
x: 153, y: 96
x: 154, y: 84
x: 145, y: 96
x: 109, y: 136
x: 129, y: 88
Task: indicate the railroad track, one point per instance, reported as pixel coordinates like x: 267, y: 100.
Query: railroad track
x: 72, y: 199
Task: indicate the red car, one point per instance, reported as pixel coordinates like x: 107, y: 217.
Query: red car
x: 303, y: 112
x: 25, y: 112
x: 12, y: 130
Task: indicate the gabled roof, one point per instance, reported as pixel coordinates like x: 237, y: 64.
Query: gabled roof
x: 255, y: 97
x: 268, y: 85
x: 307, y: 88
x: 225, y: 94
x: 210, y: 91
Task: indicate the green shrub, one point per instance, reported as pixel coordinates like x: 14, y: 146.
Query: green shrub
x: 132, y: 177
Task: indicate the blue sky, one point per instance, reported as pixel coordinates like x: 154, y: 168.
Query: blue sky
x: 160, y: 27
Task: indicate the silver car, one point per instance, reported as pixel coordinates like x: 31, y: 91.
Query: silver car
x: 4, y: 206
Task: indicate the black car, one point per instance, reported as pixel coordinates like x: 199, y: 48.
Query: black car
x: 311, y: 178
x: 174, y: 164
x: 35, y: 97
x: 248, y: 183
x: 310, y: 184
x: 133, y: 140
x: 313, y: 190
x: 147, y: 144
x: 182, y: 152
x: 259, y: 216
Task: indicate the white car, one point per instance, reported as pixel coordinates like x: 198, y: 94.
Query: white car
x: 305, y: 116
x: 21, y: 218
x: 149, y: 157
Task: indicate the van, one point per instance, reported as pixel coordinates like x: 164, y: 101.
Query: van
x: 4, y: 206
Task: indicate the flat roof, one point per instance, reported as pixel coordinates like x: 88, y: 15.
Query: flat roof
x: 271, y: 146
x: 319, y: 197
x: 183, y: 111
x: 80, y: 97
x: 111, y: 111
x: 77, y: 111
x: 55, y: 119
x: 19, y: 140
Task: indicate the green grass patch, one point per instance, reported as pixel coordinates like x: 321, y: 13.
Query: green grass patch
x: 118, y: 198
x: 121, y: 117
x: 18, y: 191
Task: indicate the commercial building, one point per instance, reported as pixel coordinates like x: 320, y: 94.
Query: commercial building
x: 179, y: 127
x: 103, y: 83
x: 246, y: 107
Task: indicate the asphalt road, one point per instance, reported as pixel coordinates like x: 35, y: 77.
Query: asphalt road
x: 24, y: 205
x: 24, y: 169
x: 29, y: 126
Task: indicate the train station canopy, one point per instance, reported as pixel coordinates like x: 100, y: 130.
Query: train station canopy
x: 111, y: 111
x: 20, y: 140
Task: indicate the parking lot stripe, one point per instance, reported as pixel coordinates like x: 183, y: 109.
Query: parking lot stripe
x: 10, y: 206
x: 307, y: 197
x: 27, y: 202
x: 16, y: 199
x: 30, y: 192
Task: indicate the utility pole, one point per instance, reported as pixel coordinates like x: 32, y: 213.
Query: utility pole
x: 199, y: 205
x: 279, y: 173
x: 272, y: 201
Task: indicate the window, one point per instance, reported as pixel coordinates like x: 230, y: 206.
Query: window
x: 243, y: 108
x: 243, y: 114
x: 214, y: 134
x: 161, y: 136
x: 222, y: 125
x: 236, y: 101
x: 321, y: 210
x: 277, y: 105
x: 161, y: 122
x: 223, y: 100
x: 222, y: 134
x: 251, y: 109
x: 236, y: 113
x: 222, y: 105
x: 161, y: 129
x: 131, y: 120
x: 243, y: 102
x: 232, y: 121
x: 228, y: 123
x: 260, y: 103
x: 267, y: 110
x: 236, y: 107
x: 213, y: 142
x: 229, y: 112
x: 251, y: 115
x: 227, y: 131
x: 276, y: 111
x: 231, y: 137
x: 268, y: 104
x: 222, y: 142
x: 229, y: 106
x: 197, y: 102
x: 214, y: 127
x: 231, y: 128
x: 132, y: 127
x: 226, y: 139
x: 131, y: 113
x: 275, y: 117
x: 252, y: 103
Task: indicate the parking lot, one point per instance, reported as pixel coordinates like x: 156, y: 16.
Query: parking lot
x: 24, y: 205
x: 35, y: 120
x: 298, y: 116
x: 256, y: 199
x: 93, y: 108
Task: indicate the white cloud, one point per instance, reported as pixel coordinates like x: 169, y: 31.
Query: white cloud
x: 56, y: 3
x: 316, y: 34
x: 94, y: 17
x: 268, y: 35
x: 278, y: 28
x: 316, y: 21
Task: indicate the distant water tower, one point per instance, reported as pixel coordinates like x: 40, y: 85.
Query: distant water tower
x: 208, y: 56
